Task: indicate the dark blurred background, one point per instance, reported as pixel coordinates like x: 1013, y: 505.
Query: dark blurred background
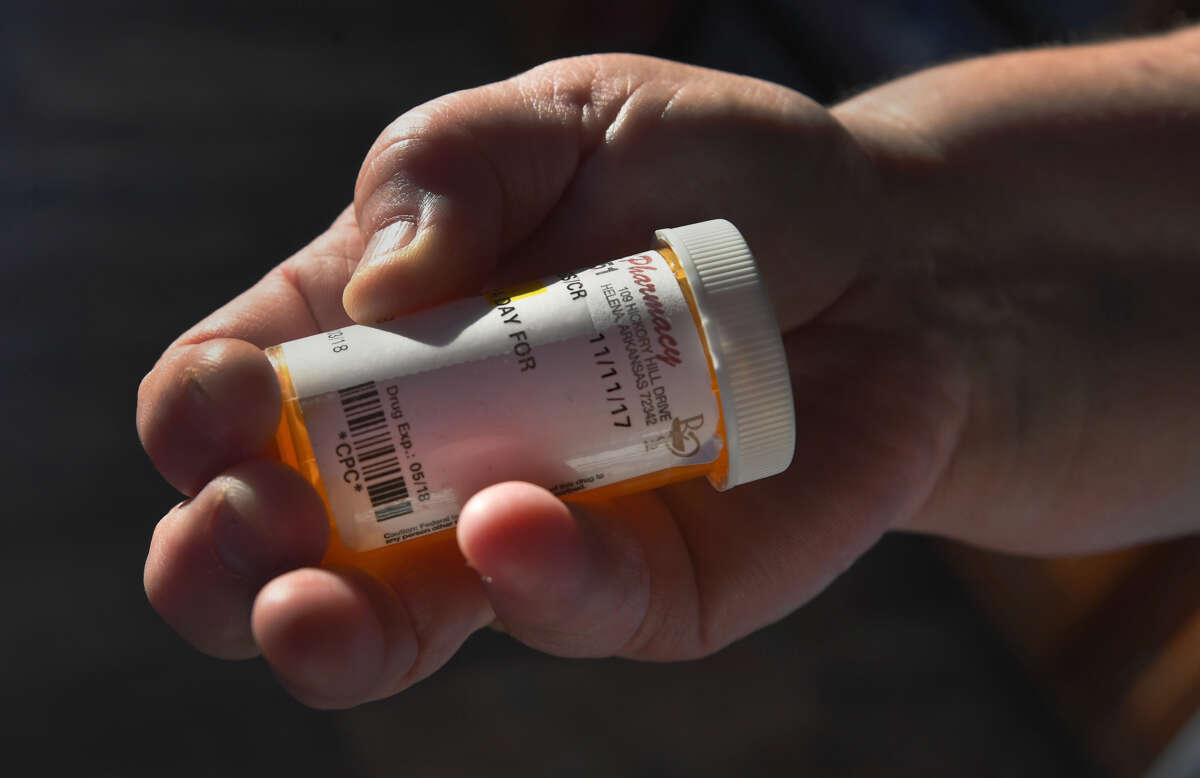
x: 159, y: 157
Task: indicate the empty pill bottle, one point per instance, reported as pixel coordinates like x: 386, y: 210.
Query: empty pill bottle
x: 637, y: 372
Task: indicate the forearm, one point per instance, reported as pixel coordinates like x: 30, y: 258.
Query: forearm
x: 1042, y: 223
x: 1092, y: 148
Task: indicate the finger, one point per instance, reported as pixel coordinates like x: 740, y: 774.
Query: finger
x: 300, y: 296
x: 587, y: 583
x: 210, y: 555
x: 575, y: 162
x: 212, y: 400
x: 459, y: 181
x: 685, y: 571
x: 337, y: 637
x: 205, y: 407
x: 325, y: 637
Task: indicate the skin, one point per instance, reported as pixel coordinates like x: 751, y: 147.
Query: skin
x: 987, y: 278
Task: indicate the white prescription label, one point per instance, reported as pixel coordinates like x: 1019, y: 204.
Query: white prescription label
x: 572, y: 382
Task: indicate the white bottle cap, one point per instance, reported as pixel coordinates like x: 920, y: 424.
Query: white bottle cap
x: 745, y: 346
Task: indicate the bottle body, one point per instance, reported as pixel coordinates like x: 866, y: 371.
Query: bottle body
x: 629, y: 375
x: 596, y: 381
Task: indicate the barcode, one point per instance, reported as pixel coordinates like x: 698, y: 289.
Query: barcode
x: 382, y: 474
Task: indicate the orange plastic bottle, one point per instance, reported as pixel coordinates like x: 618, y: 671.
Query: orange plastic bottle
x: 622, y: 377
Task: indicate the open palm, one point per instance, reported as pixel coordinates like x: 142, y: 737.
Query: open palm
x: 570, y: 164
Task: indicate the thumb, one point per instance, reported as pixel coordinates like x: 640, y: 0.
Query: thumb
x: 572, y: 585
x: 453, y: 184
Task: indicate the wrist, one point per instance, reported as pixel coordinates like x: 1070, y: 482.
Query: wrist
x: 998, y: 331
x: 900, y: 300
x: 1067, y: 305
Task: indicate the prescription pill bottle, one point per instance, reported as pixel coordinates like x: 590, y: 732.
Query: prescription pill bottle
x: 626, y: 376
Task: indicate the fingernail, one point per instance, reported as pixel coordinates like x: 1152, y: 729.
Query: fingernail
x: 217, y: 385
x: 237, y: 543
x: 205, y: 395
x: 386, y: 242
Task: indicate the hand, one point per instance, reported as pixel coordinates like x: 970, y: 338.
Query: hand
x: 567, y: 165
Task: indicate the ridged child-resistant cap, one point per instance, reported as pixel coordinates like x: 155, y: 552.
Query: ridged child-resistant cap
x: 745, y: 346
